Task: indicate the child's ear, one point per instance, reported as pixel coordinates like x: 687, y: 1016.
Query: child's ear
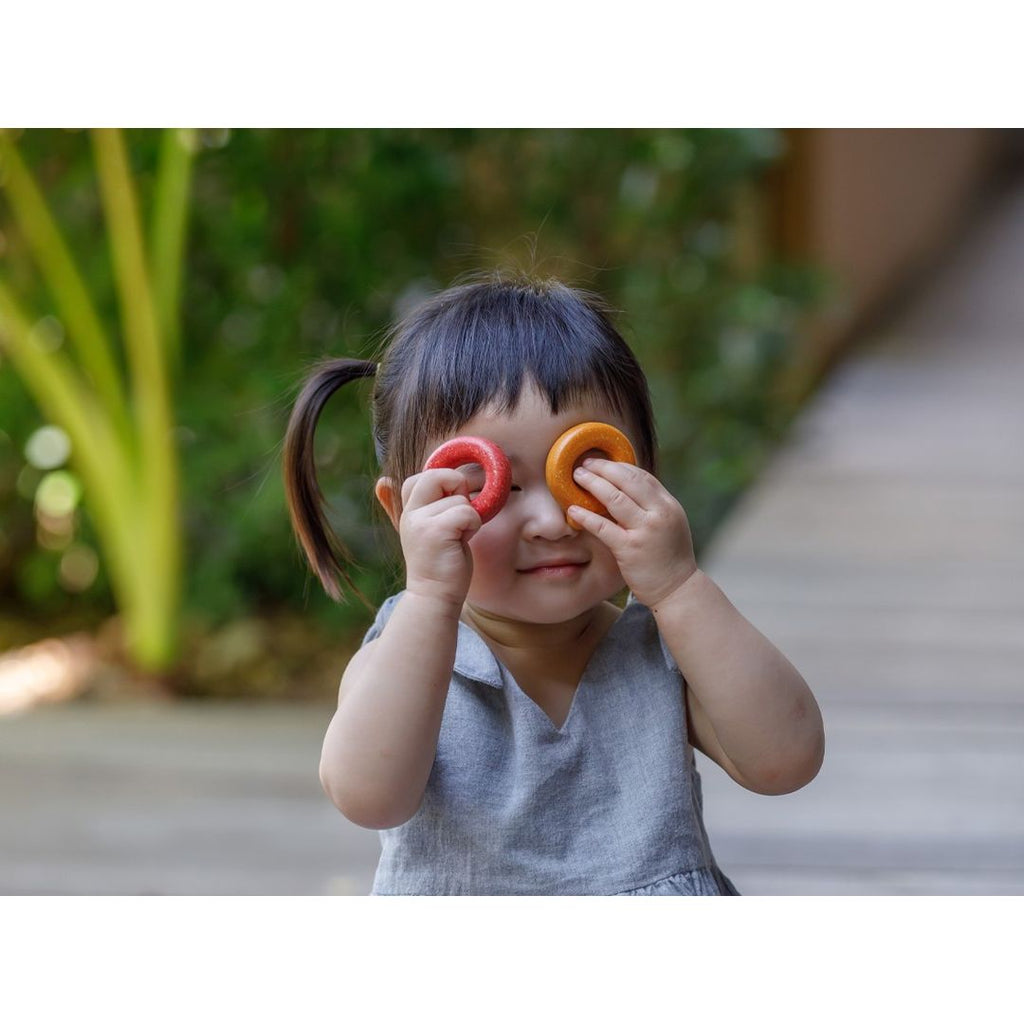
x: 390, y: 498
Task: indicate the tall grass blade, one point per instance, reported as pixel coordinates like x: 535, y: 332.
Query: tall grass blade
x: 167, y: 237
x: 160, y: 554
x: 74, y: 304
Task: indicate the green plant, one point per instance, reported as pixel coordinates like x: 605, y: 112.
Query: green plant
x: 121, y: 431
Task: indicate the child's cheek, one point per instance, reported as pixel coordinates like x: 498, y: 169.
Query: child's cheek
x: 605, y: 563
x: 493, y: 546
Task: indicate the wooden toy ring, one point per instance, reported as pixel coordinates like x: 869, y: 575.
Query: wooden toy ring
x: 461, y: 451
x: 565, y: 453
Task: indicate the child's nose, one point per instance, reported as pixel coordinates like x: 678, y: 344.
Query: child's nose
x: 546, y: 520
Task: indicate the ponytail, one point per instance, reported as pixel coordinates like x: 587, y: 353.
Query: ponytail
x: 325, y: 552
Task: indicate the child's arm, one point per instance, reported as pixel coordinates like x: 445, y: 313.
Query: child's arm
x: 750, y: 710
x: 381, y: 743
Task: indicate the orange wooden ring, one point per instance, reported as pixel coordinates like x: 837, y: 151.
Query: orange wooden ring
x: 566, y: 452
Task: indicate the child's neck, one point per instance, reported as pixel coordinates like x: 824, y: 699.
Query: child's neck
x: 514, y: 640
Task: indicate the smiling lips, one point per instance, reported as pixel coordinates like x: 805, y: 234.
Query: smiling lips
x: 555, y: 567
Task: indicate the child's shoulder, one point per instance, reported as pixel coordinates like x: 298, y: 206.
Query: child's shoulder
x: 639, y: 624
x: 380, y: 621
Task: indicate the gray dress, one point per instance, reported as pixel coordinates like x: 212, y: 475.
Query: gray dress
x: 610, y: 803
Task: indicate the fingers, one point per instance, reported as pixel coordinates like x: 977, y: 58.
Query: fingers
x: 620, y: 487
x: 644, y: 488
x: 437, y: 500
x: 456, y: 511
x: 425, y: 488
x: 609, y: 533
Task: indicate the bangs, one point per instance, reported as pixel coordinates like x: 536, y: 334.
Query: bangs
x: 487, y: 351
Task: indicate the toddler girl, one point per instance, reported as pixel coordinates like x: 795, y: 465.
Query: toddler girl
x: 507, y: 727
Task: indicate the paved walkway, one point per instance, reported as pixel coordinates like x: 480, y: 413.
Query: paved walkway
x: 883, y: 551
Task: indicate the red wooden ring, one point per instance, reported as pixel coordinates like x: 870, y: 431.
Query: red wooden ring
x: 460, y: 451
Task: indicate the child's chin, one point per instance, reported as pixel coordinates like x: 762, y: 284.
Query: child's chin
x: 539, y: 613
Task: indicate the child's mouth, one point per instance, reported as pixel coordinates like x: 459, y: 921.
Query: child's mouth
x: 556, y: 570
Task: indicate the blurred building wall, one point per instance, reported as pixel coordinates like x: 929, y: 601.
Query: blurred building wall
x: 875, y: 207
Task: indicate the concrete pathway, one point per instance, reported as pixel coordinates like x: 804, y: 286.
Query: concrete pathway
x: 883, y: 551
x: 183, y: 798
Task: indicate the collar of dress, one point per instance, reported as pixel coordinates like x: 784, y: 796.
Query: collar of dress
x: 475, y: 660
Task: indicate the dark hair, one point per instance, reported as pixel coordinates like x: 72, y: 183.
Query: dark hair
x: 458, y: 352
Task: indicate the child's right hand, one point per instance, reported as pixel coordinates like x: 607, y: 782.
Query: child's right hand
x: 436, y: 525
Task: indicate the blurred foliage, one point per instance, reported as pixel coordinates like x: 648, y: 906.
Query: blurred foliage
x: 116, y: 429
x: 308, y: 243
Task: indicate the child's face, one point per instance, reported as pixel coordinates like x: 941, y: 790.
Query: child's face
x: 528, y: 563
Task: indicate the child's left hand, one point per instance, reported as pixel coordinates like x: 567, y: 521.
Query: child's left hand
x: 650, y: 535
